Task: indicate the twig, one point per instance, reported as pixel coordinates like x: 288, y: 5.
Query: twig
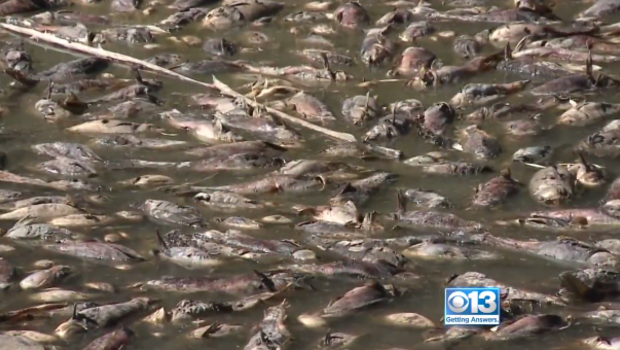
x: 226, y: 90
x: 97, y: 52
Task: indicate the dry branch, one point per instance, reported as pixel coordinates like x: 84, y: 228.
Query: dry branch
x: 131, y: 61
x: 97, y: 52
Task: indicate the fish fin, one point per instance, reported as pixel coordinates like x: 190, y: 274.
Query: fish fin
x: 161, y: 240
x: 534, y: 165
x: 401, y: 201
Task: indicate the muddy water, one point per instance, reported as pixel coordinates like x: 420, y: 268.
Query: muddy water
x: 23, y: 127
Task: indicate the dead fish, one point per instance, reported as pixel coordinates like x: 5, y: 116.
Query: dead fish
x: 344, y: 214
x: 507, y: 293
x: 67, y: 167
x: 183, y: 18
x: 466, y: 46
x: 533, y: 155
x: 376, y: 47
x: 46, y: 211
x: 225, y: 199
x: 333, y: 58
x: 437, y: 118
x: 356, y: 299
x: 204, y: 130
x: 240, y: 12
x: 588, y: 113
x: 238, y: 222
x: 602, y: 143
x: 514, y: 32
x: 396, y: 16
x: 390, y: 127
x: 69, y: 150
x: 185, y: 254
x: 485, y: 93
x: 528, y: 325
x: 188, y: 308
x: 58, y: 295
x: 434, y: 163
x: 46, y: 278
x: 336, y: 340
x: 219, y: 47
x: 590, y: 218
x: 170, y: 213
x: 105, y: 126
x: 427, y: 198
x: 125, y: 5
x: 613, y: 193
x: 7, y: 274
x: 129, y: 35
x: 496, y: 191
x: 563, y: 249
x: 83, y: 220
x: 351, y: 15
x: 235, y: 284
x: 453, y: 74
x: 358, y: 109
x: 576, y: 83
x: 215, y: 330
x: 502, y: 110
x: 311, y: 167
x: 600, y: 9
x: 145, y: 181
x: 408, y: 320
x: 310, y: 107
x: 209, y: 66
x: 432, y: 250
x: 236, y: 148
x: 530, y: 126
x: 23, y: 203
x: 236, y: 239
x: 430, y: 219
x: 590, y: 285
x: 95, y: 250
x: 476, y: 141
x: 599, y: 341
x: 17, y: 342
x: 417, y: 30
x: 73, y: 69
x: 272, y: 331
x: 412, y: 61
x: 114, y: 340
x: 166, y: 59
x: 552, y: 185
x: 39, y: 231
x: 104, y: 316
x: 359, y: 191
x: 182, y: 5
x: 585, y: 173
x: 75, y: 33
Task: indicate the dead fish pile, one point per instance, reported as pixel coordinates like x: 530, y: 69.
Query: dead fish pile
x: 220, y: 201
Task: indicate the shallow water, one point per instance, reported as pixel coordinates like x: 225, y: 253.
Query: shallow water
x: 22, y: 127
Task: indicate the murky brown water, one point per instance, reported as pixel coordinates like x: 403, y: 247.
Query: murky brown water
x: 23, y: 127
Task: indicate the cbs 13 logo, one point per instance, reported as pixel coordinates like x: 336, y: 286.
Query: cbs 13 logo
x: 472, y: 301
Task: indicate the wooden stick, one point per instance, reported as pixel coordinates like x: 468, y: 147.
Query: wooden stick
x: 226, y: 90
x: 35, y: 35
x: 130, y: 61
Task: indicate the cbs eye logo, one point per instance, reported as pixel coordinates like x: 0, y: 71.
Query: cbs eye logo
x: 458, y: 302
x: 484, y: 302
